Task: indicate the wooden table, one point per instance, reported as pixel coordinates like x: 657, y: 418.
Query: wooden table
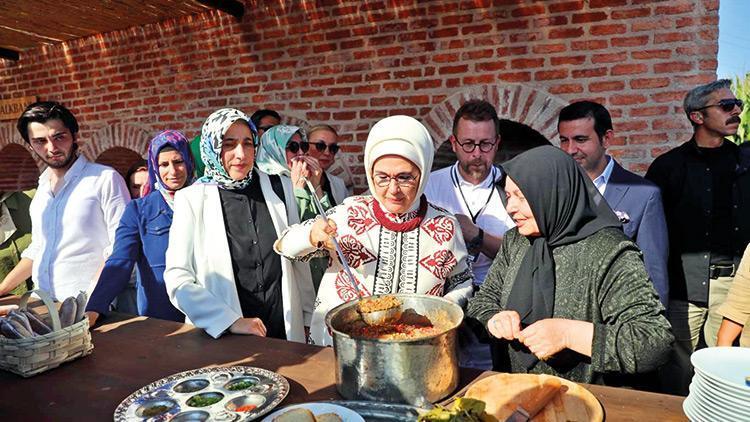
x: 132, y: 352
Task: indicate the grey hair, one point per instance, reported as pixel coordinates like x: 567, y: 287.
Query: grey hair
x: 697, y: 96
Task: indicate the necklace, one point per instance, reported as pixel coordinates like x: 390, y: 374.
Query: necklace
x: 404, y: 226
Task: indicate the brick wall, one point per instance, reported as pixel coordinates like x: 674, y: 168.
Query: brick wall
x: 351, y: 63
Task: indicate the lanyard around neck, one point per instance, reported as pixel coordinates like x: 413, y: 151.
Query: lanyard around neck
x: 457, y: 184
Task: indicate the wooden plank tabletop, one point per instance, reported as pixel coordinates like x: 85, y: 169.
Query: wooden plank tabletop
x: 131, y: 352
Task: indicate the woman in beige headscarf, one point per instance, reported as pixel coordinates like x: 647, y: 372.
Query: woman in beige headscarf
x: 394, y: 240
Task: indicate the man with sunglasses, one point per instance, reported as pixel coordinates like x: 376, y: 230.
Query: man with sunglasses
x: 705, y: 186
x: 468, y: 190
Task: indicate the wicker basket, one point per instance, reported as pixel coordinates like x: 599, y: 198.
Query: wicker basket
x: 34, y: 355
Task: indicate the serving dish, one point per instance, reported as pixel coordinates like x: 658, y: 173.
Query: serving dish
x: 237, y: 393
x: 319, y: 408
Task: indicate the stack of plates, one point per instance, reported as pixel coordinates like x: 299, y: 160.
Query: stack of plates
x: 718, y: 391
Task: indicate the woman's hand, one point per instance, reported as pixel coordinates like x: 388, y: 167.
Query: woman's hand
x: 93, y: 316
x: 304, y: 168
x: 322, y: 234
x: 251, y: 326
x: 546, y: 337
x: 505, y: 325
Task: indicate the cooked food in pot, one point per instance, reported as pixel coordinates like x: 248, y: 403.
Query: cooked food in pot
x: 409, y: 326
x: 375, y: 304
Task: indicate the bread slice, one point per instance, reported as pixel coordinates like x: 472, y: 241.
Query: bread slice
x: 296, y: 415
x: 329, y: 417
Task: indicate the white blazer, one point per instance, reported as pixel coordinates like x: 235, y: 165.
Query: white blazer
x: 338, y: 188
x: 199, y: 277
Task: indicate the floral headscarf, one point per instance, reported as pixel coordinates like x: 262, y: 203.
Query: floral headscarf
x: 271, y: 157
x: 177, y: 141
x: 212, y: 136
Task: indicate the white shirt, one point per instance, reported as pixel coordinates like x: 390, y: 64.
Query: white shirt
x: 444, y: 189
x: 72, y: 232
x: 601, y: 181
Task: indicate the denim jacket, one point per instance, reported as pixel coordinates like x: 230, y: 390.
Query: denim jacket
x: 141, y: 239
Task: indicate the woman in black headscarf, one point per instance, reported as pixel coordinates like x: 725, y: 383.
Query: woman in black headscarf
x: 568, y: 293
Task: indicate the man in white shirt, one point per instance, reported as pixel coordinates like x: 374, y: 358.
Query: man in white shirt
x: 468, y: 189
x: 585, y: 129
x: 75, y: 211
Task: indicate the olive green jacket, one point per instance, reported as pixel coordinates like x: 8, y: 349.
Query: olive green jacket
x: 601, y: 279
x: 10, y: 250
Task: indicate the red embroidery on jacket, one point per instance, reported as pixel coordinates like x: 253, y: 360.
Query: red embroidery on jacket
x: 440, y: 263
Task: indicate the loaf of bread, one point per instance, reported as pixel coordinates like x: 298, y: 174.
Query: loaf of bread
x: 296, y: 415
x: 328, y: 417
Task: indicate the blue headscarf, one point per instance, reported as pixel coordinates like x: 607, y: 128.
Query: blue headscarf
x: 179, y: 142
x: 212, y: 136
x: 271, y: 157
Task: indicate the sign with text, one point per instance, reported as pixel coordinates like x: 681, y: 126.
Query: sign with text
x: 12, y: 109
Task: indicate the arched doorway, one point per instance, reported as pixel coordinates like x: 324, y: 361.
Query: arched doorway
x: 528, y: 119
x: 515, y: 138
x: 119, y: 158
x: 18, y: 169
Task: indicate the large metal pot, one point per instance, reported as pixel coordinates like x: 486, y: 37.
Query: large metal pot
x: 415, y: 372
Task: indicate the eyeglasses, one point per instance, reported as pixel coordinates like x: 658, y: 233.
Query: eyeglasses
x: 403, y: 180
x: 727, y: 105
x: 294, y: 146
x: 321, y: 146
x: 484, y: 146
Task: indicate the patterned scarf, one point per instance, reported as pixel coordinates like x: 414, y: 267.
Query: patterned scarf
x: 212, y: 136
x: 177, y: 141
x: 271, y: 158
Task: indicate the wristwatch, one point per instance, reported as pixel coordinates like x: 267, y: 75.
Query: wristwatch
x: 475, y: 244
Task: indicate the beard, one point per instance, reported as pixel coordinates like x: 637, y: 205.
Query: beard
x: 476, y: 168
x: 65, y: 163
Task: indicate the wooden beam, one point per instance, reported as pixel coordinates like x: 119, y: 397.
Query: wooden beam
x: 6, y: 53
x: 232, y: 7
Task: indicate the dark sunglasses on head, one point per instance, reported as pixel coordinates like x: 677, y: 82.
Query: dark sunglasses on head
x: 727, y: 105
x: 321, y: 146
x: 294, y: 146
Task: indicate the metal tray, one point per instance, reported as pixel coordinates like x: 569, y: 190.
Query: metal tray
x: 169, y: 399
x: 381, y: 412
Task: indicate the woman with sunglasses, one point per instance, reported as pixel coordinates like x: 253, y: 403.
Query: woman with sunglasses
x: 324, y: 146
x: 221, y: 269
x: 394, y: 241
x: 143, y: 234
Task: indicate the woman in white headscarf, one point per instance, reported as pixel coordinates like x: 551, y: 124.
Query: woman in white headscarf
x: 394, y: 240
x: 221, y: 271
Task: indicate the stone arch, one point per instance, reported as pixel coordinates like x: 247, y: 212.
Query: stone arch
x: 119, y: 158
x: 18, y: 168
x: 126, y: 135
x: 533, y: 107
x: 9, y: 135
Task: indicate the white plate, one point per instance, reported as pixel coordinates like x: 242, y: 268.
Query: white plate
x: 693, y: 412
x: 719, y: 398
x: 347, y: 415
x: 719, y: 384
x: 727, y: 365
x: 709, y: 408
